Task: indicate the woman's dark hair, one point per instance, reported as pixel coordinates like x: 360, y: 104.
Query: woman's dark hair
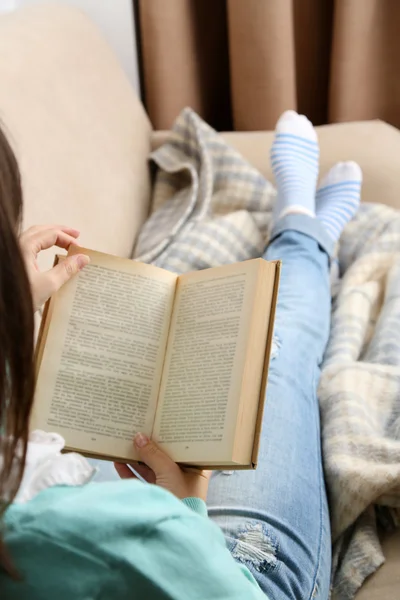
x: 16, y: 337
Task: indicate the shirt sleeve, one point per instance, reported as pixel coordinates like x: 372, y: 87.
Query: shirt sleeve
x: 189, y: 556
x: 125, y: 540
x: 198, y: 506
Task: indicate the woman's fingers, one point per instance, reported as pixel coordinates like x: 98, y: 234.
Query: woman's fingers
x: 200, y: 472
x: 145, y: 472
x: 153, y: 457
x: 61, y: 273
x: 41, y: 240
x: 123, y: 471
x: 37, y: 228
x: 160, y: 469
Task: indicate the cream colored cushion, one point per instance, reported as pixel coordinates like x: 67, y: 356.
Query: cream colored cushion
x: 373, y: 144
x: 80, y: 134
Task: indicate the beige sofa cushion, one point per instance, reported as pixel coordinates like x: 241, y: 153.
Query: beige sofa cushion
x: 373, y: 144
x: 80, y: 134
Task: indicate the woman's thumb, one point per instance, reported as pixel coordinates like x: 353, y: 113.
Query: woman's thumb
x: 66, y: 269
x: 152, y: 456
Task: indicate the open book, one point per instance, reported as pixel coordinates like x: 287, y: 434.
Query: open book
x: 127, y: 347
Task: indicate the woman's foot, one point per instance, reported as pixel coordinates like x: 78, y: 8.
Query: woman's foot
x: 338, y: 197
x: 294, y: 160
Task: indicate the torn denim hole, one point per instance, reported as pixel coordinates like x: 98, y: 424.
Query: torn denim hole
x: 227, y: 472
x: 255, y: 545
x: 315, y: 591
x: 276, y: 344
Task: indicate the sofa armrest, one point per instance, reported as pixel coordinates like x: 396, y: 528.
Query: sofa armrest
x: 80, y: 134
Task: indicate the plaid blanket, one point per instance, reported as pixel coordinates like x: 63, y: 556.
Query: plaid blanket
x: 211, y: 208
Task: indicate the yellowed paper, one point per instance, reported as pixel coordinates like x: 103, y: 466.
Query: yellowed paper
x: 201, y: 383
x: 102, y: 362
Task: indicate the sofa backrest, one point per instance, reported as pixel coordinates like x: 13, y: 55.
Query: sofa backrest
x: 80, y: 134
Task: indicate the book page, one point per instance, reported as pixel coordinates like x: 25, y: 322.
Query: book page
x: 201, y: 383
x: 101, y: 367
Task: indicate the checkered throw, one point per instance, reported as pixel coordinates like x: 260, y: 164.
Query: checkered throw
x: 211, y: 208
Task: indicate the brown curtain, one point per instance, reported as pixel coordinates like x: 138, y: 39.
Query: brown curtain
x: 241, y: 63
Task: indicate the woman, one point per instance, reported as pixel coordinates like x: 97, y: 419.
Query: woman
x: 129, y: 539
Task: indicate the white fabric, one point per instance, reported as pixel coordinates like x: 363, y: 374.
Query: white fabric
x: 46, y: 466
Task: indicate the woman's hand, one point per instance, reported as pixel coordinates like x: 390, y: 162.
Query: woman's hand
x: 161, y: 470
x: 39, y: 238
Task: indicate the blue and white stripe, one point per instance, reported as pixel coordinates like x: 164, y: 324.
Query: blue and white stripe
x: 294, y: 162
x: 337, y: 204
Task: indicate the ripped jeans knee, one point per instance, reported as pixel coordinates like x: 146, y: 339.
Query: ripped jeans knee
x: 254, y: 545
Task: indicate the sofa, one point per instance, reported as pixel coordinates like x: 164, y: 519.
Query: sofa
x: 82, y: 139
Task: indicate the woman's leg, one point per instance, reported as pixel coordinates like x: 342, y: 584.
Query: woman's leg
x: 276, y: 518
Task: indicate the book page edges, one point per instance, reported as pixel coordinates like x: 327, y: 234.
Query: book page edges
x: 268, y: 347
x: 166, y: 352
x: 123, y: 459
x: 252, y: 374
x: 45, y: 324
x: 103, y: 257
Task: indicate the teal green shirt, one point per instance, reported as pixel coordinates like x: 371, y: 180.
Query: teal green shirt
x: 117, y: 541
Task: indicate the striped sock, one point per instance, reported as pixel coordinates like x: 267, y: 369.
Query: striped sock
x: 294, y: 160
x: 338, y: 197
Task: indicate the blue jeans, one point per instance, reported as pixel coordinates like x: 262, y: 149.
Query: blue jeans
x: 276, y: 518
